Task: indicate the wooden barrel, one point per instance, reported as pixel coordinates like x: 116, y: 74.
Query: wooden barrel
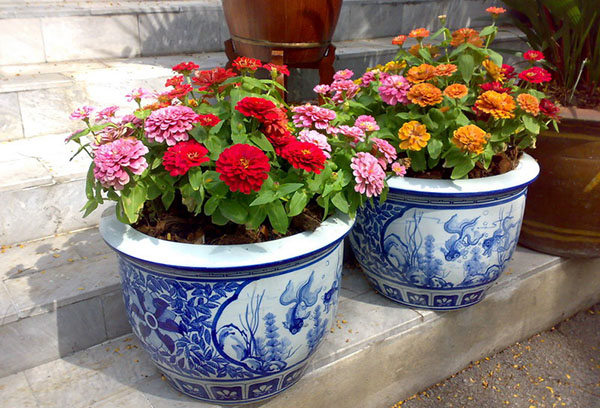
x: 301, y: 28
x: 562, y: 214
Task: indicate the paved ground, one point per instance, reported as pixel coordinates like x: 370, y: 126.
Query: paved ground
x: 557, y: 368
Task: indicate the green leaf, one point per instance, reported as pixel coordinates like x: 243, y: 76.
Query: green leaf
x: 196, y: 177
x: 488, y: 30
x: 462, y: 168
x: 495, y: 57
x: 167, y: 198
x: 142, y: 114
x: 297, y: 203
x: 434, y: 147
x: 218, y: 219
x: 256, y: 217
x: 462, y: 120
x: 288, y: 188
x: 466, y: 65
x: 90, y: 182
x: 340, y: 202
x: 239, y: 138
x: 233, y: 210
x: 277, y: 217
x: 262, y: 142
x: 133, y: 201
x: 531, y: 124
x: 264, y: 197
x: 89, y: 207
x: 211, y: 205
x: 418, y: 162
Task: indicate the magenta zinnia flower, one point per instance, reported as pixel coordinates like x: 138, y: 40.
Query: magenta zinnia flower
x: 81, y: 113
x: 342, y: 75
x: 170, y: 124
x: 393, y: 89
x: 309, y: 115
x: 138, y: 94
x: 367, y: 78
x: 321, y: 89
x: 113, y: 160
x: 368, y: 174
x: 353, y: 132
x: 316, y: 138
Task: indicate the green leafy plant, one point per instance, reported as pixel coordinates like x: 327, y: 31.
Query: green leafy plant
x: 452, y: 108
x: 568, y: 34
x: 220, y: 144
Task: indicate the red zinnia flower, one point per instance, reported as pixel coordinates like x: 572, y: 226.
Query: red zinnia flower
x: 178, y: 159
x: 212, y: 77
x: 535, y: 75
x: 494, y: 86
x: 533, y: 55
x: 208, y: 120
x: 180, y: 91
x: 174, y: 81
x: 304, y: 155
x: 241, y: 63
x: 548, y: 108
x: 262, y: 109
x: 243, y: 168
x: 281, y: 69
x: 185, y: 67
x: 508, y: 71
x: 276, y: 130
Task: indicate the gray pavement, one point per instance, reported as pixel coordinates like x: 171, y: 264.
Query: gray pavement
x: 556, y: 368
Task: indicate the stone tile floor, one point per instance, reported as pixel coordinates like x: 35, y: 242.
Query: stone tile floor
x: 556, y: 368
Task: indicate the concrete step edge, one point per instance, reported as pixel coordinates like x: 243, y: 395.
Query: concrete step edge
x: 382, y: 353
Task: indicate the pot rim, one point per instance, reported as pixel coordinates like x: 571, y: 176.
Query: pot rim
x: 126, y: 240
x: 524, y: 174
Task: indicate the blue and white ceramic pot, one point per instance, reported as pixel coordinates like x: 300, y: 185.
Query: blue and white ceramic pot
x: 440, y: 244
x: 232, y: 323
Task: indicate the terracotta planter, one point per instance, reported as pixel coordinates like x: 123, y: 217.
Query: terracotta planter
x: 301, y: 28
x: 562, y: 216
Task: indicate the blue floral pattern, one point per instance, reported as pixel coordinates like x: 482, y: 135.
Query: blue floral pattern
x: 440, y: 247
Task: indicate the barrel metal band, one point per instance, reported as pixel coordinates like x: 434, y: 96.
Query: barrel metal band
x: 280, y: 44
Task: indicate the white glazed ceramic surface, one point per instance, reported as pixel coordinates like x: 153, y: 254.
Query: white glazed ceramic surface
x: 439, y: 244
x: 230, y: 324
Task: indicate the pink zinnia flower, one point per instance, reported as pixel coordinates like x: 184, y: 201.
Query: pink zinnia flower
x: 309, y: 115
x: 113, y: 160
x: 368, y: 174
x: 341, y: 86
x: 399, y: 169
x: 367, y: 78
x: 316, y: 138
x: 393, y: 89
x: 384, y: 152
x: 321, y: 89
x: 354, y: 132
x: 366, y: 123
x: 342, y: 75
x: 107, y: 113
x: 81, y: 113
x: 139, y: 94
x: 170, y: 124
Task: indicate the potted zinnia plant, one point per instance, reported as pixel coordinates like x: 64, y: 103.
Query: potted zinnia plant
x: 228, y: 224
x: 564, y: 36
x: 454, y: 121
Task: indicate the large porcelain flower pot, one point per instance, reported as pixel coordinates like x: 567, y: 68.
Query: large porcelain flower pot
x: 234, y: 323
x: 440, y: 244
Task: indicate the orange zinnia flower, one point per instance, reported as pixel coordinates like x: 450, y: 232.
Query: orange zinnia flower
x: 456, y: 91
x: 499, y: 105
x: 493, y: 70
x: 425, y: 94
x: 433, y: 50
x: 466, y: 35
x: 529, y: 103
x: 419, y: 33
x: 445, y: 69
x: 470, y: 138
x: 421, y: 73
x: 399, y: 40
x: 495, y: 10
x: 414, y: 136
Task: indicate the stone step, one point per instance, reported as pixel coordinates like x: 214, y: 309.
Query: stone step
x: 61, y: 295
x: 53, y: 31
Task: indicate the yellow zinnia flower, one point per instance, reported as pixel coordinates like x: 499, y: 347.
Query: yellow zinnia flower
x: 414, y: 136
x: 493, y: 70
x: 470, y: 138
